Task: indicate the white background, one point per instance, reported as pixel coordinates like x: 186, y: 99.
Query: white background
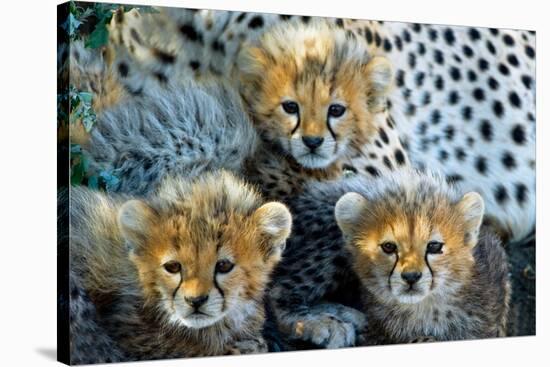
x: 28, y: 175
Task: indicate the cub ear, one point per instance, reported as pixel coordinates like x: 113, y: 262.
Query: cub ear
x: 472, y: 208
x: 348, y: 212
x: 251, y: 62
x: 379, y: 75
x: 135, y: 220
x: 275, y: 222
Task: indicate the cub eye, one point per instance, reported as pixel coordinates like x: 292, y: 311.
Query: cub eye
x: 434, y: 247
x: 172, y: 267
x: 224, y: 266
x: 336, y: 110
x: 290, y: 107
x: 389, y: 247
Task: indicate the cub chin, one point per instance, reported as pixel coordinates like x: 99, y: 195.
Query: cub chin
x: 181, y: 273
x: 427, y: 272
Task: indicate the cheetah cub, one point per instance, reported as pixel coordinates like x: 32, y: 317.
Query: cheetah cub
x: 316, y: 96
x: 403, y: 260
x: 180, y: 274
x: 426, y: 270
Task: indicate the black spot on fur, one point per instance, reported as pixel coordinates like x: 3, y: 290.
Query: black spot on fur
x: 163, y: 57
x: 481, y: 165
x: 377, y: 39
x: 284, y: 16
x: 368, y: 35
x: 491, y: 47
x: 399, y: 157
x: 240, y: 18
x: 508, y: 160
x: 530, y: 51
x: 478, y: 94
x: 439, y: 83
x: 398, y: 43
x: 467, y: 50
x: 416, y: 27
x: 218, y: 46
x: 188, y: 31
x: 474, y: 34
x: 472, y: 76
x: 443, y: 155
x: 123, y: 69
x: 508, y: 40
x: 432, y: 33
x: 161, y: 77
x: 500, y: 193
x: 454, y: 97
x: 498, y: 108
x: 526, y: 80
x: 483, y: 64
x: 387, y: 45
x: 518, y: 134
x: 436, y: 117
x: 438, y: 57
x: 449, y: 36
x: 421, y: 48
x: 460, y: 154
x: 514, y: 100
x: 493, y: 83
x: 521, y: 193
x: 455, y: 73
x: 503, y: 69
x: 387, y: 162
x: 486, y: 130
x: 453, y: 178
x: 467, y: 113
x: 135, y: 36
x: 383, y: 136
x: 512, y: 60
x: 400, y: 78
x: 412, y: 60
x: 194, y: 64
x: 373, y: 171
x: 449, y: 132
x: 305, y: 19
x: 256, y: 22
x: 406, y: 36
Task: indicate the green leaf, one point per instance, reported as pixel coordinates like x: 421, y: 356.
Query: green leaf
x: 98, y: 37
x: 93, y: 182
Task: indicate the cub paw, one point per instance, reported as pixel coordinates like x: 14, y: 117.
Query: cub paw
x: 328, y: 325
x: 247, y: 346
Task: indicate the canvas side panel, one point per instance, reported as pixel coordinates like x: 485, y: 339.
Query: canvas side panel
x: 63, y: 148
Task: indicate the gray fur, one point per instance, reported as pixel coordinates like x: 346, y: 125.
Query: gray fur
x: 180, y: 129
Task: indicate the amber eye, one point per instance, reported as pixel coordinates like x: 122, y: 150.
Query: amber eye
x: 434, y: 247
x: 224, y: 266
x: 389, y: 247
x: 336, y: 110
x: 172, y: 267
x: 290, y: 107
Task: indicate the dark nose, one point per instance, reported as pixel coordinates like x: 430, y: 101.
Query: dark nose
x: 411, y: 277
x: 196, y: 302
x: 312, y: 142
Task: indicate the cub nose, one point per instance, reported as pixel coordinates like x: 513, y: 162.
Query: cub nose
x: 411, y: 277
x: 312, y: 142
x: 196, y: 302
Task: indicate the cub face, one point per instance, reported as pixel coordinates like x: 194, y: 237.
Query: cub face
x: 313, y: 90
x: 198, y: 266
x: 404, y: 250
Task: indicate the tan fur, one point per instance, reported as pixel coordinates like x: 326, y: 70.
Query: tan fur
x: 196, y: 224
